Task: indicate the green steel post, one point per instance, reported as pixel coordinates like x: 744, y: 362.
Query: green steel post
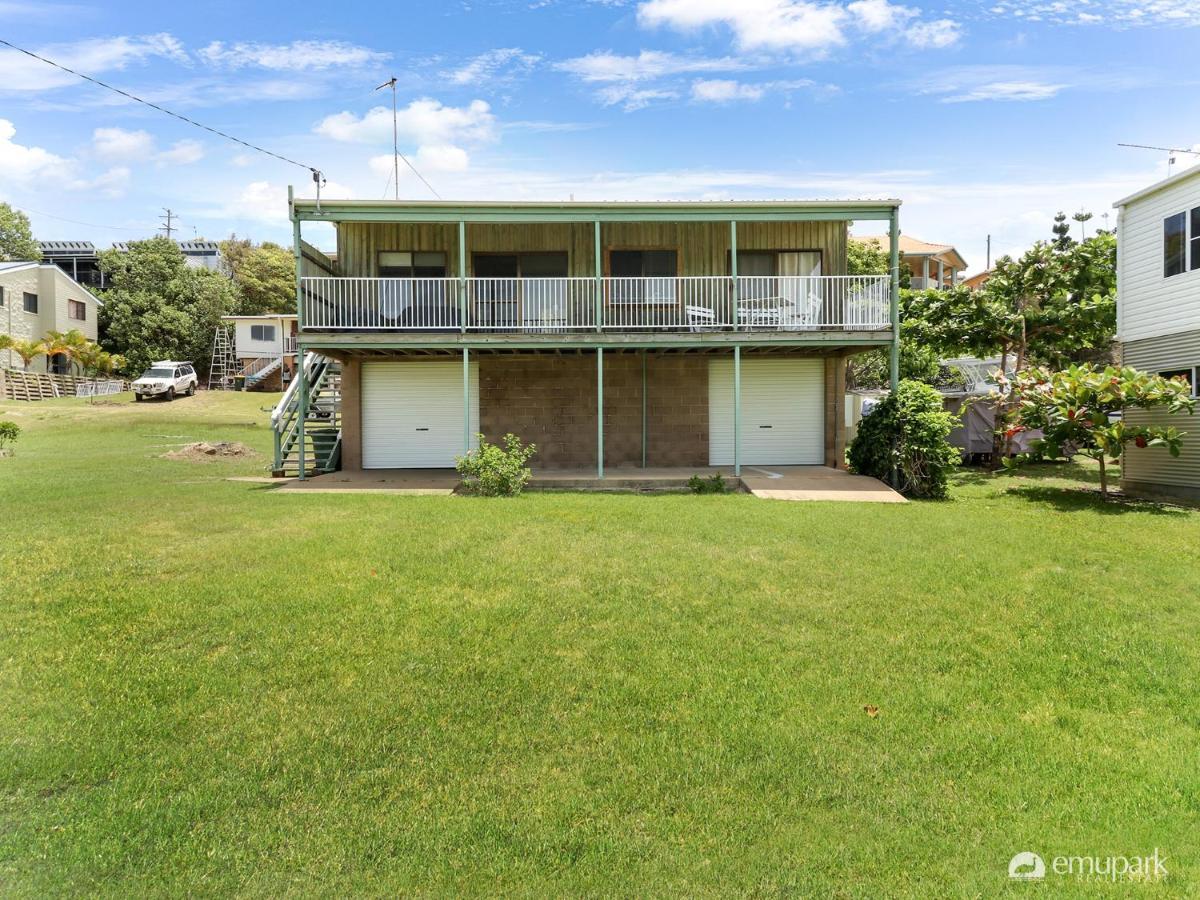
x: 599, y: 412
x: 643, y: 409
x: 895, y: 300
x: 733, y: 268
x: 466, y: 400
x: 462, y: 276
x: 599, y: 280
x: 737, y: 411
x: 302, y: 392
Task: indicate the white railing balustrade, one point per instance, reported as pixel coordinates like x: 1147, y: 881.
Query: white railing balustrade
x: 565, y: 305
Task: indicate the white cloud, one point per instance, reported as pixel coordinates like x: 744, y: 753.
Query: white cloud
x: 426, y: 122
x: 724, y: 91
x: 1112, y: 13
x: 120, y: 145
x: 182, y: 153
x: 23, y: 166
x: 1019, y: 91
x: 603, y: 66
x: 933, y: 35
x: 631, y: 98
x: 117, y: 144
x: 94, y: 56
x: 298, y: 56
x: 265, y: 202
x: 1012, y: 83
x: 798, y: 26
x: 493, y: 66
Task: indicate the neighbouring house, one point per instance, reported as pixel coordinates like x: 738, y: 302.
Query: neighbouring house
x: 978, y: 280
x: 79, y: 259
x: 1158, y: 318
x: 612, y: 335
x: 39, y: 297
x: 931, y: 265
x: 264, y: 350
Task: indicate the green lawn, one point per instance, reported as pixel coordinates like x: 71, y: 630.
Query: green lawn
x: 210, y: 688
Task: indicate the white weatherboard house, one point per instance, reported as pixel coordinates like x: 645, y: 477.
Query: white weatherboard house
x: 1158, y: 318
x: 265, y: 348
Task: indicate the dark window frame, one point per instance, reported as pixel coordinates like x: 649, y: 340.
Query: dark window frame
x: 1194, y: 237
x: 30, y: 302
x: 638, y: 293
x: 412, y: 266
x: 73, y: 306
x: 1175, y: 244
x: 263, y: 330
x: 1191, y: 373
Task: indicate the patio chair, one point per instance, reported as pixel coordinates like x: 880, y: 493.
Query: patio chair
x: 700, y: 318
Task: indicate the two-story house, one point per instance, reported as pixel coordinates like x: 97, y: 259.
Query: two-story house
x: 1158, y: 318
x: 612, y: 335
x: 36, y: 298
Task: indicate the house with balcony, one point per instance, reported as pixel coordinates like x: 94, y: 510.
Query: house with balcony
x: 613, y: 335
x: 932, y: 266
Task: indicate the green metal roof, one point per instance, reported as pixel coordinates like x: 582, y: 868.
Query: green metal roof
x: 578, y: 211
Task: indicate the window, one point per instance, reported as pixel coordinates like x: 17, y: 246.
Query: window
x: 31, y: 303
x: 76, y: 310
x: 262, y: 332
x: 406, y: 264
x: 1174, y: 244
x: 1191, y: 376
x: 1196, y: 238
x: 643, y: 264
x: 1, y: 296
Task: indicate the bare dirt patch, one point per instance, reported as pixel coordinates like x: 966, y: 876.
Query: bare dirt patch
x: 203, y: 451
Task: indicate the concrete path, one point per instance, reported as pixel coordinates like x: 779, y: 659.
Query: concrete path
x: 816, y: 483
x: 767, y: 482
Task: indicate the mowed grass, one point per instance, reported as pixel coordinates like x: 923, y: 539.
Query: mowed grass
x: 210, y: 688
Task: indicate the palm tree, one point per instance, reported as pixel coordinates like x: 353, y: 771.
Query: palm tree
x: 27, y: 350
x: 69, y: 344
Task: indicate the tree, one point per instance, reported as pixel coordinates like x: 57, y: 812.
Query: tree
x: 873, y: 257
x: 906, y: 434
x: 1062, y: 232
x: 1083, y: 407
x: 96, y: 362
x: 58, y: 343
x: 27, y: 350
x: 16, y: 238
x: 158, y: 307
x: 265, y: 276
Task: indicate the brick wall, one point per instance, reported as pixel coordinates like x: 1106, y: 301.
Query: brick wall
x: 551, y: 401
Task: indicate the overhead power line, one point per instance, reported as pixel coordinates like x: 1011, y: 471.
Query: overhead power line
x: 317, y: 174
x: 28, y: 211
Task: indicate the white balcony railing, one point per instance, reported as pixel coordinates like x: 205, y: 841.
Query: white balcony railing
x: 564, y: 305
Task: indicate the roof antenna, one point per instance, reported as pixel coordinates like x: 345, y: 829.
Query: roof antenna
x: 395, y: 138
x: 1170, y: 150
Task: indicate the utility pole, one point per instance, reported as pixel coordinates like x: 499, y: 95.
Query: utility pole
x: 988, y: 268
x: 167, y: 228
x: 395, y: 138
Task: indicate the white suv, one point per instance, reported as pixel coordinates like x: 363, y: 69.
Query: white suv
x: 166, y: 379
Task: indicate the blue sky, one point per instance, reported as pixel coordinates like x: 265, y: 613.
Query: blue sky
x: 984, y: 117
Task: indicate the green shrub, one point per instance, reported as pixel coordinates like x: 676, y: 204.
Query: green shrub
x: 8, y: 433
x: 906, y: 432
x: 713, y: 484
x: 494, y: 471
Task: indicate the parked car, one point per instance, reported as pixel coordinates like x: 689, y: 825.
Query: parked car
x: 166, y: 378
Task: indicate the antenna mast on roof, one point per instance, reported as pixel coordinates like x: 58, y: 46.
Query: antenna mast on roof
x: 395, y: 137
x: 1171, y: 150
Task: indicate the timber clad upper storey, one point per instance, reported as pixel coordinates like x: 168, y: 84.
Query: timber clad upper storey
x: 541, y: 268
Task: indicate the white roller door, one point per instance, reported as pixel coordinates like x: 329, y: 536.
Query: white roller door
x: 783, y: 412
x: 412, y: 413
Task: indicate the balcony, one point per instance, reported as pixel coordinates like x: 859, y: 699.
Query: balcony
x: 577, y: 305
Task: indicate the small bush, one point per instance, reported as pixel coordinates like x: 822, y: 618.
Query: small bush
x: 8, y: 434
x: 494, y: 471
x: 713, y: 484
x: 906, y: 432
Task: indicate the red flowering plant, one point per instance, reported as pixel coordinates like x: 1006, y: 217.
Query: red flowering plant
x: 1083, y: 408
